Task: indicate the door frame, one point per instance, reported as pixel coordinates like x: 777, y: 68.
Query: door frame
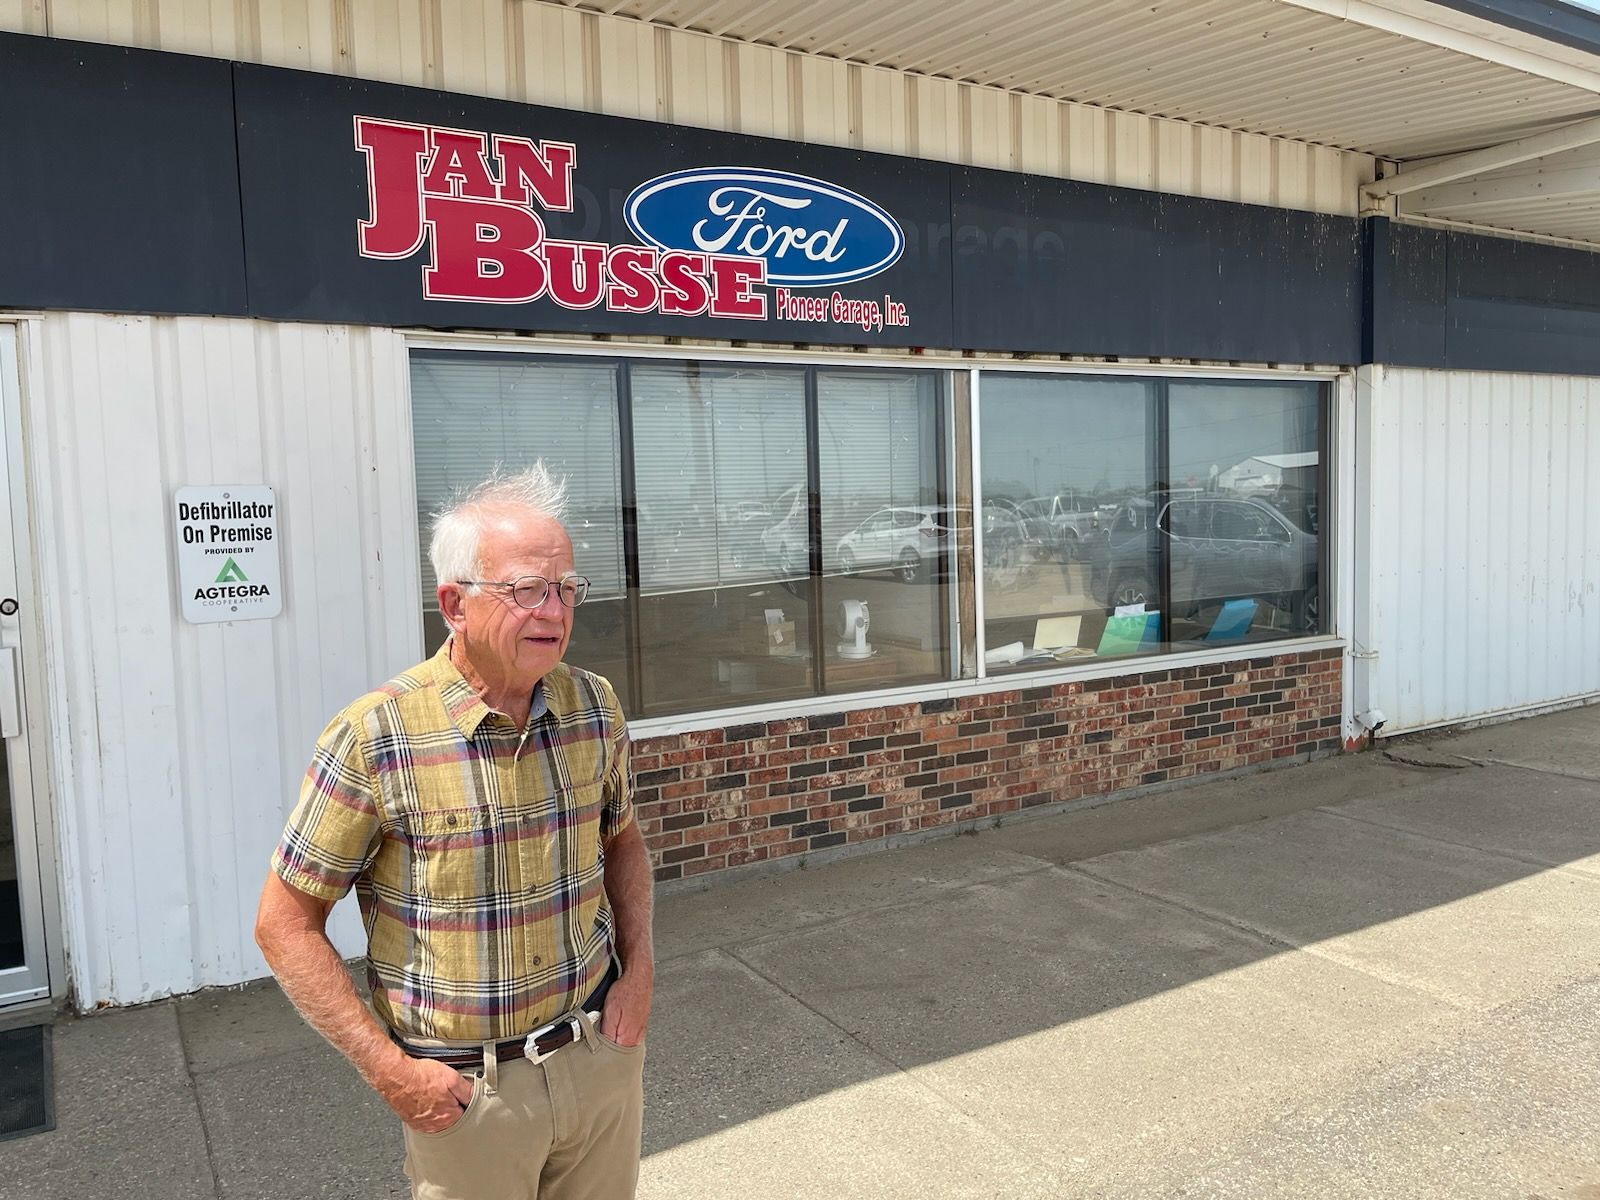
x: 28, y: 755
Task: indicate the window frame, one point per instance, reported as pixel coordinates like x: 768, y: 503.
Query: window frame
x: 632, y: 690
x: 1158, y: 435
x: 961, y: 420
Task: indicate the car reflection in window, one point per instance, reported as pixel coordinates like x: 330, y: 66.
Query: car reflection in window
x: 1218, y: 548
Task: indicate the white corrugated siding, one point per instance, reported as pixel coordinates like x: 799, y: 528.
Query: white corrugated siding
x: 178, y: 748
x: 1484, y: 546
x: 1258, y: 65
x: 551, y: 54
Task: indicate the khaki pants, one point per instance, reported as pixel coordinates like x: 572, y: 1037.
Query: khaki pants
x: 566, y: 1128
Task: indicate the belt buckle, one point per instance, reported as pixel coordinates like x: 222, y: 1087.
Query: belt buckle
x: 530, y: 1048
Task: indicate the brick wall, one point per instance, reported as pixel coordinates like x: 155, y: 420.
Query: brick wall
x: 720, y: 799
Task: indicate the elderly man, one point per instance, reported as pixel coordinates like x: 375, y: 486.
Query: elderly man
x: 481, y: 806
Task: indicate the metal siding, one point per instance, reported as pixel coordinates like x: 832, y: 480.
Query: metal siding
x: 1484, y: 555
x: 562, y: 56
x: 181, y: 746
x: 1256, y: 65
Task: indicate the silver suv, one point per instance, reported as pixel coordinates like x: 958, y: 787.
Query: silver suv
x: 1219, y: 548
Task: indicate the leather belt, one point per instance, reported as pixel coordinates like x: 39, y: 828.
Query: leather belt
x: 544, y: 1041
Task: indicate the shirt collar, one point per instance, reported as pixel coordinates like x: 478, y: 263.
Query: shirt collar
x: 462, y: 702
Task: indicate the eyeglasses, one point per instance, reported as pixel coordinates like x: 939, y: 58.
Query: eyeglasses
x: 530, y: 590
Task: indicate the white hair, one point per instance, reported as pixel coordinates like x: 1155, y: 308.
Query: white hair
x: 458, y: 527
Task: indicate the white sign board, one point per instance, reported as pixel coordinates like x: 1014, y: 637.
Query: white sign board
x: 227, y: 540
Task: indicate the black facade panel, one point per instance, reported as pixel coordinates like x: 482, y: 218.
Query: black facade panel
x: 305, y: 190
x: 1468, y: 302
x: 1408, y: 294
x: 1522, y: 306
x: 118, y: 189
x: 1054, y: 266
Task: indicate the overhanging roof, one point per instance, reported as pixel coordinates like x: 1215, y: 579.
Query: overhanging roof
x: 1402, y: 80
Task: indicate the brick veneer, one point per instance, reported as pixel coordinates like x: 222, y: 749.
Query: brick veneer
x: 719, y: 799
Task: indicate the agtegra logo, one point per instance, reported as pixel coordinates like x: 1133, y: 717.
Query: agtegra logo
x: 809, y: 232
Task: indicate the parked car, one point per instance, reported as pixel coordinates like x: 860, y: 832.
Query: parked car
x: 1063, y: 523
x: 1218, y: 548
x: 907, y: 540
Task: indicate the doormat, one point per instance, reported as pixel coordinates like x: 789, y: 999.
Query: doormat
x: 27, y: 1084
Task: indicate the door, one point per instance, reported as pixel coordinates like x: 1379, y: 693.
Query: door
x: 22, y: 931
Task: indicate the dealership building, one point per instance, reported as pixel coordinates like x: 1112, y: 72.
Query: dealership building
x: 968, y: 410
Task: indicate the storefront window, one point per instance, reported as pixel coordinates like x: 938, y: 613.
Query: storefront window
x: 473, y: 412
x: 717, y: 450
x: 887, y: 531
x: 1242, y: 535
x: 1127, y: 517
x: 1069, y: 471
x: 752, y: 533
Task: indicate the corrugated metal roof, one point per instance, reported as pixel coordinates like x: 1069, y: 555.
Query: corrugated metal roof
x: 1262, y: 66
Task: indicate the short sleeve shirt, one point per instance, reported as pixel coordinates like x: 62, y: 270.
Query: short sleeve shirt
x: 476, y: 849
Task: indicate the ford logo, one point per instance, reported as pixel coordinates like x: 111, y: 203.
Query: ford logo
x: 810, y: 233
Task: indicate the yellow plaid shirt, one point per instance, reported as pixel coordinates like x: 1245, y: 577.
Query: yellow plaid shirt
x: 476, y: 849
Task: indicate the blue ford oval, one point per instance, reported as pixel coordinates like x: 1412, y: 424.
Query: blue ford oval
x: 811, y: 233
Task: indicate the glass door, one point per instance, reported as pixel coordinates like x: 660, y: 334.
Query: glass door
x: 22, y: 944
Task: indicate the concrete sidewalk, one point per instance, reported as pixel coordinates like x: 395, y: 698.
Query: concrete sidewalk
x: 1365, y: 977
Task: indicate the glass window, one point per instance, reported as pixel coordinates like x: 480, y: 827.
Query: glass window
x: 886, y: 529
x: 1131, y: 516
x: 1070, y: 565
x: 1250, y: 454
x: 720, y: 464
x: 753, y: 533
x: 473, y: 412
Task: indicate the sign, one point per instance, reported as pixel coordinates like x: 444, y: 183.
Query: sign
x: 373, y: 203
x: 808, y: 232
x: 227, y: 543
x: 468, y: 203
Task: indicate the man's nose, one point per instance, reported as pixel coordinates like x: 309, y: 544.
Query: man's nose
x: 551, y: 604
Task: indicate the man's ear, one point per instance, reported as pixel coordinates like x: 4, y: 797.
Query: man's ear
x: 453, y: 606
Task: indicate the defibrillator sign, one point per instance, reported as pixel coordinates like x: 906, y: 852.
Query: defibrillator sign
x: 227, y: 544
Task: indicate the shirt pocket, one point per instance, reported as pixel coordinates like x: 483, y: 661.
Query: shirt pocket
x: 453, y: 853
x: 559, y: 844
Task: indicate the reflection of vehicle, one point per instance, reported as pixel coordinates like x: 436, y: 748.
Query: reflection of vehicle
x: 1062, y: 522
x: 1298, y: 504
x: 904, y: 539
x: 786, y: 542
x: 1218, y: 548
x: 1006, y: 543
x: 1015, y: 528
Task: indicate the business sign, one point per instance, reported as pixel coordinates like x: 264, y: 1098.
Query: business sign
x: 474, y: 205
x: 370, y: 202
x: 227, y: 548
x: 250, y: 190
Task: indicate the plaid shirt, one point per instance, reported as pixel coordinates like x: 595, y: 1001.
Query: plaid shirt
x: 476, y: 849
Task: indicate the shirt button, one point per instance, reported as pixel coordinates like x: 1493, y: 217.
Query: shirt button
x: 450, y: 820
x: 537, y: 960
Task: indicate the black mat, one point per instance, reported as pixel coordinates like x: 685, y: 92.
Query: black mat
x: 27, y: 1086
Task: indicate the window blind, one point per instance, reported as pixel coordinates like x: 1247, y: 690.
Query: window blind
x: 715, y: 448
x: 471, y: 414
x: 877, y: 437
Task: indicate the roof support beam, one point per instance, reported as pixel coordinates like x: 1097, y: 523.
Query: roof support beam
x: 1490, y: 158
x: 1574, y: 174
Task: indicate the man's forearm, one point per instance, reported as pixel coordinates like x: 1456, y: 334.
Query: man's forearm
x: 312, y: 975
x: 630, y: 886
